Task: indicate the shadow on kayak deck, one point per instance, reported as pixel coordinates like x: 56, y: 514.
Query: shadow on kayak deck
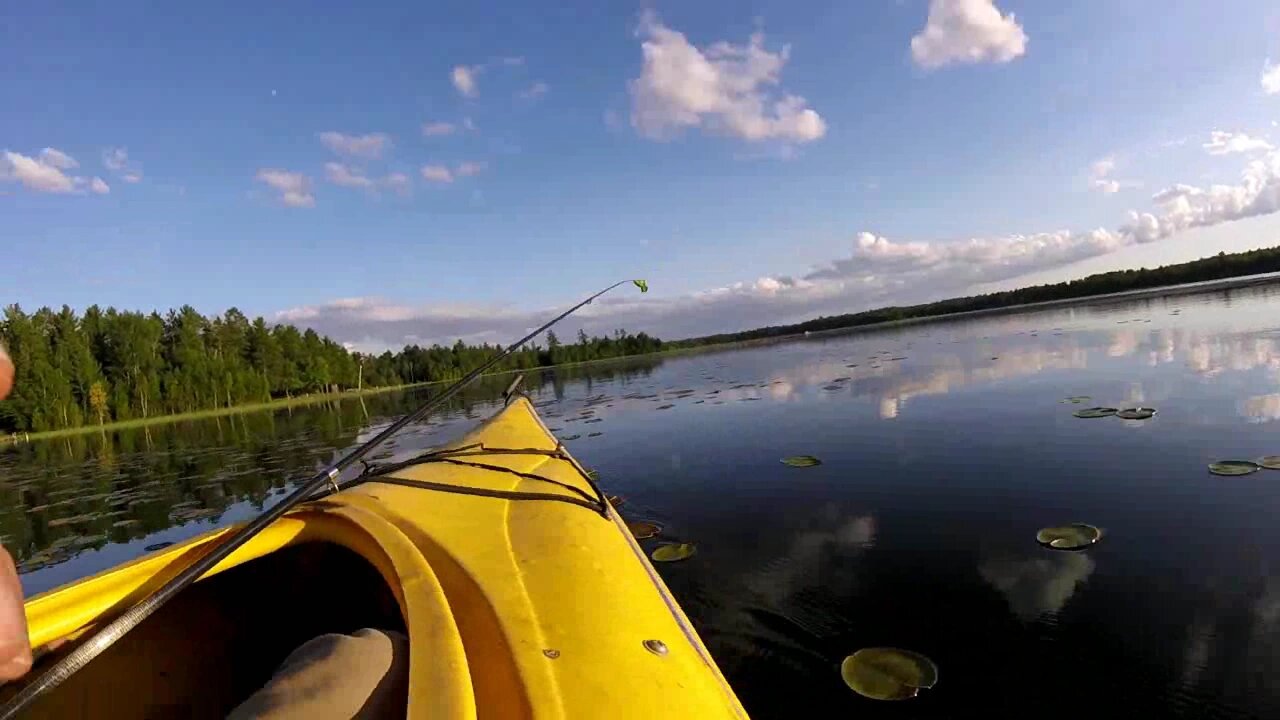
x: 220, y: 640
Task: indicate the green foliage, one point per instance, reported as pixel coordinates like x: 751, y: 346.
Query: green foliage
x: 642, y: 284
x: 109, y: 365
x: 801, y: 461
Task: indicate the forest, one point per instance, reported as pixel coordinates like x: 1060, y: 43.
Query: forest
x: 1222, y: 265
x: 108, y: 365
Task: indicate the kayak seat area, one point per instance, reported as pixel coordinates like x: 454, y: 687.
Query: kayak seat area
x: 220, y: 640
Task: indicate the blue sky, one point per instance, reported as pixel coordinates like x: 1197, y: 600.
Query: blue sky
x: 411, y: 172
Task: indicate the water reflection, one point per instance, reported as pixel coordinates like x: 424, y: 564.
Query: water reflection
x: 1038, y: 585
x: 939, y: 442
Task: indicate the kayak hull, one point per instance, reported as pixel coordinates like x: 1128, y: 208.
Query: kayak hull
x: 523, y: 595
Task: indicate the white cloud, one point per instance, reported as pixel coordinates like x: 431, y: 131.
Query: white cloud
x: 398, y: 183
x: 117, y: 161
x: 1102, y: 168
x: 512, y: 61
x: 56, y: 158
x: 724, y: 88
x: 115, y: 158
x: 37, y: 173
x: 967, y: 31
x: 362, y: 146
x: 464, y: 79
x: 1183, y: 207
x: 1270, y: 78
x: 877, y: 271
x: 294, y: 188
x: 535, y: 91
x: 1101, y: 177
x: 346, y: 176
x: 467, y: 169
x: 99, y: 186
x: 437, y: 173
x: 438, y: 128
x: 1227, y: 143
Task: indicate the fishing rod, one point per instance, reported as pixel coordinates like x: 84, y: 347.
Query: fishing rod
x: 113, y: 631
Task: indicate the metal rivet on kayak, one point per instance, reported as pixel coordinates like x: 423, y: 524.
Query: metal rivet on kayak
x: 657, y: 647
x: 551, y: 653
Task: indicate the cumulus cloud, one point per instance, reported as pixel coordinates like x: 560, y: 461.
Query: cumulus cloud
x: 877, y: 271
x: 346, y: 176
x: 1101, y: 176
x: 534, y: 91
x: 437, y: 173
x: 398, y: 183
x: 1270, y: 78
x: 724, y: 88
x: 42, y: 173
x: 99, y: 186
x: 445, y: 174
x: 1183, y: 207
x: 1229, y: 143
x: 435, y: 129
x: 294, y: 188
x: 115, y: 158
x: 463, y: 78
x: 117, y: 161
x: 370, y: 145
x: 54, y: 157
x: 967, y: 31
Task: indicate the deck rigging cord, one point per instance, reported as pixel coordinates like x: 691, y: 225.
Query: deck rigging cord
x: 131, y: 618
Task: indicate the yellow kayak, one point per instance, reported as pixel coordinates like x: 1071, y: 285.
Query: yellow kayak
x: 521, y: 590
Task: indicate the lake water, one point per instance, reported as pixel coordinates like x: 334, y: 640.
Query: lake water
x: 945, y: 447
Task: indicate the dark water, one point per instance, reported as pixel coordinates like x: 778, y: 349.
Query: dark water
x: 944, y: 450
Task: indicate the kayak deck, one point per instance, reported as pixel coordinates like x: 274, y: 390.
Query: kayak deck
x: 522, y: 593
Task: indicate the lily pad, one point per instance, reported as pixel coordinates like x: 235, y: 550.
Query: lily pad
x: 801, y: 461
x: 674, y: 552
x: 1095, y: 412
x: 1069, y: 537
x: 664, y: 407
x: 570, y: 437
x: 888, y: 673
x: 1137, y: 413
x: 1077, y: 399
x: 1234, y: 467
x: 643, y: 530
x: 1270, y: 462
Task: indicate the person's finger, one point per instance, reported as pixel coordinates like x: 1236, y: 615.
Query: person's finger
x: 6, y: 373
x: 15, y: 646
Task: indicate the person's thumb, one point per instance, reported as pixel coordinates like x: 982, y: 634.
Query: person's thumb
x: 15, y: 646
x: 6, y: 373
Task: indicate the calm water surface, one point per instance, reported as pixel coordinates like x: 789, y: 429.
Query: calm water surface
x: 944, y: 448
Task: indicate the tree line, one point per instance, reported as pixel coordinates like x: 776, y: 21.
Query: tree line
x: 1220, y: 266
x: 110, y: 365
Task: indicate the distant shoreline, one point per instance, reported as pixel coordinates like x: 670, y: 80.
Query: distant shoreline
x: 314, y: 399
